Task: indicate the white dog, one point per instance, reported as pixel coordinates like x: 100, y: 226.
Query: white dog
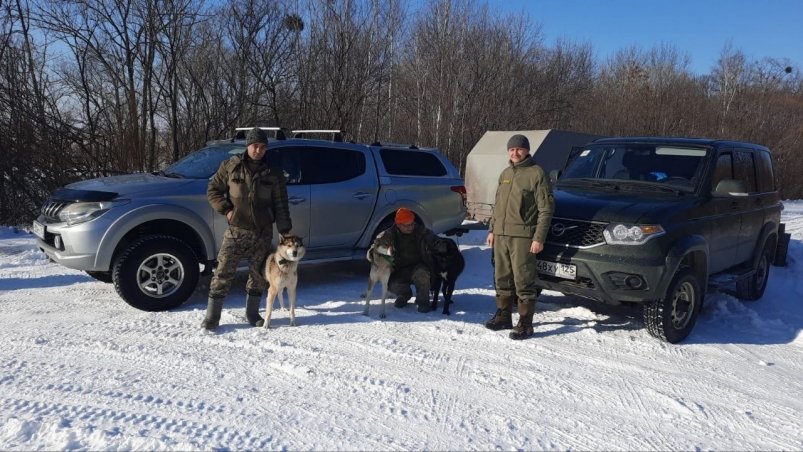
x: 380, y: 255
x: 281, y: 272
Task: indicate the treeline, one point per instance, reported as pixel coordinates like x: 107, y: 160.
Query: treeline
x: 94, y: 87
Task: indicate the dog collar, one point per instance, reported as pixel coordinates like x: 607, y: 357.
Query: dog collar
x: 283, y: 261
x: 388, y: 258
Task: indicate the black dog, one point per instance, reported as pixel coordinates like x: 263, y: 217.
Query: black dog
x: 446, y: 265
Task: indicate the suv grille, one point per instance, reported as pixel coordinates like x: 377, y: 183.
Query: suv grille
x: 52, y: 208
x: 575, y: 233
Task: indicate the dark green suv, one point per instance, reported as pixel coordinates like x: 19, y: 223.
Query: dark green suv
x: 656, y: 220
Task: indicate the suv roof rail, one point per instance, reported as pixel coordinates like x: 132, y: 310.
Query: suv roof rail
x: 279, y: 133
x: 337, y: 134
x: 394, y: 145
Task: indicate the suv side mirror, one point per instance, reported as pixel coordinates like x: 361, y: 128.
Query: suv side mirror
x: 731, y: 187
x: 554, y: 175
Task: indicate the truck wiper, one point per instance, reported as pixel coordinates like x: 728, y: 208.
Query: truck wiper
x: 172, y: 175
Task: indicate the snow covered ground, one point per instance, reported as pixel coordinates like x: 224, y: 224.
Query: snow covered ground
x: 80, y: 369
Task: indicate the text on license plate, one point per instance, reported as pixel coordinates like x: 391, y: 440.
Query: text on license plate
x: 39, y: 229
x: 567, y: 271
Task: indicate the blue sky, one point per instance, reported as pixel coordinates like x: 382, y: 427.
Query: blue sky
x: 700, y: 28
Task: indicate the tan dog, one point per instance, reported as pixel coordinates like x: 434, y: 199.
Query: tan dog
x: 281, y: 272
x: 380, y: 255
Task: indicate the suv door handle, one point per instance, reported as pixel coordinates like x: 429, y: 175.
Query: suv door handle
x: 361, y: 195
x: 296, y: 200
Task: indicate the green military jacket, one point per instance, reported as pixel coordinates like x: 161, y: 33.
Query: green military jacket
x: 524, y: 203
x: 258, y: 198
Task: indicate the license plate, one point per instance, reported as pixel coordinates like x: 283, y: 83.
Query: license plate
x: 567, y: 271
x: 39, y: 229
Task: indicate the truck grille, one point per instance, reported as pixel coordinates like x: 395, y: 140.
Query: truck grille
x: 575, y: 233
x: 52, y: 208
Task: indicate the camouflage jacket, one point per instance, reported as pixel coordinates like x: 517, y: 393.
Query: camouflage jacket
x: 258, y: 198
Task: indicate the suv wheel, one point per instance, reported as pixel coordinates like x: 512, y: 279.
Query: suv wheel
x: 673, y: 318
x: 156, y: 273
x: 753, y: 287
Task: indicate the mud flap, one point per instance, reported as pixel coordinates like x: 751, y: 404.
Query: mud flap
x: 782, y: 248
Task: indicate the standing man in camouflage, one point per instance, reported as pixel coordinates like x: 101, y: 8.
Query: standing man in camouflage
x: 252, y: 196
x: 518, y: 228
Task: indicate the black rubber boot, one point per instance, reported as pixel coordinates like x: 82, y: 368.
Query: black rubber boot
x: 213, y: 309
x: 401, y: 301
x: 252, y: 310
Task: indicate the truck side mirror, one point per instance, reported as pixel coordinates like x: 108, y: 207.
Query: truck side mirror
x: 732, y: 187
x: 554, y: 175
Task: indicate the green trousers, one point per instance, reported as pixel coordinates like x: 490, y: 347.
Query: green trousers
x: 514, y: 268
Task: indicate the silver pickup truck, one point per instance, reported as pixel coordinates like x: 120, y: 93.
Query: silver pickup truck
x: 153, y: 234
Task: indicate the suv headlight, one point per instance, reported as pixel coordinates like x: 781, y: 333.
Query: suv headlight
x: 80, y: 212
x: 631, y: 234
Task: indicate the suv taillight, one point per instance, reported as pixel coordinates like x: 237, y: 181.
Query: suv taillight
x: 461, y: 190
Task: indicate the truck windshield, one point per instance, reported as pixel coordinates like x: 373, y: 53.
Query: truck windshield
x: 201, y: 164
x: 675, y: 165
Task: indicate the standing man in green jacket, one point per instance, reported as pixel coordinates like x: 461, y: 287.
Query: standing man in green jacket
x: 252, y: 196
x: 518, y: 228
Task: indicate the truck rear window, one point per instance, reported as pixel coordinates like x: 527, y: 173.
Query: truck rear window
x: 404, y: 162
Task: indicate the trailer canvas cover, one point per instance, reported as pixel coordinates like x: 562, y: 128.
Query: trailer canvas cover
x: 488, y: 158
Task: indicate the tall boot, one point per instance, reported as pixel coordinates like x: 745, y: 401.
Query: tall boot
x: 524, y: 327
x: 252, y: 310
x: 502, y: 320
x: 213, y: 308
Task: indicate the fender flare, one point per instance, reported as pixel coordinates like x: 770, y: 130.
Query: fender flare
x: 678, y: 253
x: 152, y: 212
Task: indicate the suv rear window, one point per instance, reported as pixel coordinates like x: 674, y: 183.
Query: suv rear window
x: 403, y: 162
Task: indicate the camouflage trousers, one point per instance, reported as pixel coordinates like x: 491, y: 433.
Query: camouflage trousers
x: 417, y: 275
x: 239, y: 245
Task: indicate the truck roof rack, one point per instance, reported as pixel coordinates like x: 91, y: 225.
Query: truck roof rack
x: 279, y: 133
x: 394, y: 145
x: 336, y: 134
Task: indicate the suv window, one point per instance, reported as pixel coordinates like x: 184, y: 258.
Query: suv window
x: 289, y: 160
x: 404, y: 162
x: 723, y: 170
x: 310, y: 165
x: 667, y: 164
x: 766, y: 178
x: 746, y: 170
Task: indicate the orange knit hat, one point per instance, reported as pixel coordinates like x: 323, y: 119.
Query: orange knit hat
x: 404, y: 216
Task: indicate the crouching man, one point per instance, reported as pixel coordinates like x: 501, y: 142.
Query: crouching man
x: 411, y: 242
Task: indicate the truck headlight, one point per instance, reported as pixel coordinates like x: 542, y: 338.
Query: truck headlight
x: 80, y: 212
x: 630, y: 234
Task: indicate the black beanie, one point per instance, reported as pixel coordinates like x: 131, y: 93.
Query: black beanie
x: 518, y: 141
x: 256, y: 135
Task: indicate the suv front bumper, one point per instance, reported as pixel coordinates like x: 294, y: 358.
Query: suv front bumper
x: 610, y: 277
x: 73, y: 246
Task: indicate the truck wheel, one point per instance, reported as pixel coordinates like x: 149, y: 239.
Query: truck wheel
x: 101, y: 276
x: 673, y: 318
x: 156, y: 273
x: 753, y: 287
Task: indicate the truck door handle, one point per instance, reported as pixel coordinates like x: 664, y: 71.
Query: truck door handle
x: 361, y: 195
x: 295, y: 200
